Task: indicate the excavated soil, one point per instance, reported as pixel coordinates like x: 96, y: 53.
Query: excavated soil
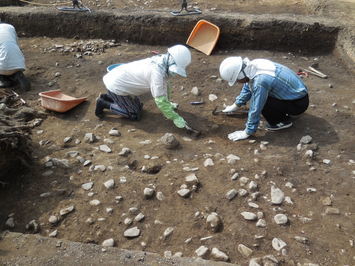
x: 316, y: 184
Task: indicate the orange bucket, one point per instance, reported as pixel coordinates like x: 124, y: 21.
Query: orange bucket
x: 204, y: 36
x: 57, y: 101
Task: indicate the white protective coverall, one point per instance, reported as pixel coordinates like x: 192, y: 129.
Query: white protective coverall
x: 11, y: 57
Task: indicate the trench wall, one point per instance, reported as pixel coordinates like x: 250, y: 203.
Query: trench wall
x: 238, y: 31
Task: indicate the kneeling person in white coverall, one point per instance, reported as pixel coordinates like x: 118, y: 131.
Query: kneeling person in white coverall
x: 12, y: 61
x: 127, y: 81
x: 274, y: 91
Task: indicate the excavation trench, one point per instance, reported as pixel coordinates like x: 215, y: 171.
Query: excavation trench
x: 238, y: 31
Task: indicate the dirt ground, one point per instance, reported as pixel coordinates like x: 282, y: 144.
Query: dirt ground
x: 322, y: 208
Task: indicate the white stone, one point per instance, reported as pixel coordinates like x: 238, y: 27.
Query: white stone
x: 306, y: 139
x: 219, y: 255
x: 214, y: 222
x: 160, y: 196
x: 208, y: 162
x: 66, y: 210
x: 201, y: 251
x: 53, y: 234
x: 195, y: 91
x: 109, y: 183
x: 253, y: 186
x: 232, y: 159
x: 125, y: 152
x: 244, y: 250
x: 235, y: 176
x: 184, y: 192
x: 168, y: 231
x: 231, y: 194
x: 243, y: 180
x: 326, y: 161
x: 100, y: 167
x: 132, y: 232
x: 105, y: 148
x: 10, y: 222
x: 242, y: 192
x: 148, y: 192
x: 191, y: 179
x: 250, y: 216
x: 94, y: 202
x: 108, y: 242
x: 53, y: 219
x: 139, y: 217
x: 280, y: 219
x: 261, y: 223
x: 114, y: 132
x: 128, y: 221
x: 212, y: 97
x: 277, y: 196
x: 278, y: 244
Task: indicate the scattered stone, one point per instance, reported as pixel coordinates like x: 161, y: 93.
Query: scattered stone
x: 301, y: 239
x: 108, y: 242
x: 140, y: 216
x: 244, y: 250
x: 87, y: 162
x: 191, y: 179
x: 332, y: 211
x: 125, y: 152
x: 277, y: 196
x: 243, y: 180
x: 195, y: 91
x: 278, y: 244
x: 168, y: 254
x: 235, y: 176
x: 109, y: 184
x: 242, y: 192
x: 327, y: 201
x: 219, y: 255
x: 132, y: 232
x: 99, y: 167
x: 306, y: 139
x: 54, y: 233
x: 160, y: 196
x: 94, y: 202
x: 261, y: 223
x: 10, y: 222
x: 184, y: 192
x: 311, y: 189
x: 253, y: 186
x: 212, y: 97
x: 53, y: 219
x: 67, y: 139
x: 169, y: 141
x: 66, y: 210
x: 89, y: 138
x: 148, y: 193
x: 214, y: 222
x: 114, y: 132
x: 280, y: 219
x: 128, y: 221
x: 249, y: 216
x: 105, y: 148
x: 253, y: 205
x: 232, y: 159
x: 326, y: 161
x: 231, y: 194
x: 201, y: 251
x: 208, y: 162
x: 168, y: 231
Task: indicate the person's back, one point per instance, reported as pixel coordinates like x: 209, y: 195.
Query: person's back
x: 12, y: 61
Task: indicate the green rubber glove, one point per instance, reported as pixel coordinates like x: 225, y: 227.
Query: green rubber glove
x: 167, y: 108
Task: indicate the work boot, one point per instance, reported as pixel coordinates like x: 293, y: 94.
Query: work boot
x: 101, y: 104
x: 21, y: 80
x: 5, y: 82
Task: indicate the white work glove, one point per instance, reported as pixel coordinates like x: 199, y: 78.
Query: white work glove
x: 238, y: 135
x: 230, y: 108
x: 174, y: 105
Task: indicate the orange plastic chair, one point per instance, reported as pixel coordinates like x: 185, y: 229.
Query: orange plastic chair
x: 57, y: 101
x: 204, y: 36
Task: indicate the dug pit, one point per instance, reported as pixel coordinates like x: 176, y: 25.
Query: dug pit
x: 318, y: 189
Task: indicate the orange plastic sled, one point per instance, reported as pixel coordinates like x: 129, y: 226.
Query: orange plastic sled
x: 204, y: 36
x: 57, y: 101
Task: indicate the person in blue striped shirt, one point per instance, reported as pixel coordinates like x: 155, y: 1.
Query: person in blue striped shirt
x: 274, y: 91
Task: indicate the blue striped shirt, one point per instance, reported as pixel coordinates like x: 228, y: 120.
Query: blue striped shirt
x: 286, y: 85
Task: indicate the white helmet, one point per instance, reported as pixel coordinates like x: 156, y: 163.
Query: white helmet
x: 230, y: 69
x: 182, y: 58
